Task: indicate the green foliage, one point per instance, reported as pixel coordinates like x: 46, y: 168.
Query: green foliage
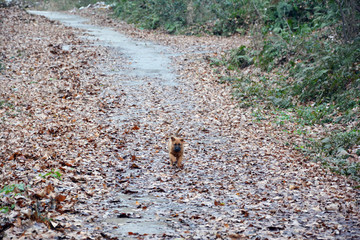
x: 332, y: 145
x: 9, y: 191
x: 60, y: 5
x: 6, y: 209
x: 227, y: 17
x: 190, y: 16
x: 329, y: 75
x: 260, y: 89
x: 230, y: 16
x: 240, y: 58
x: 332, y: 151
x: 300, y: 36
x: 299, y: 17
x: 11, y: 188
x: 249, y: 92
x: 52, y: 173
x: 273, y: 53
x: 153, y: 14
x: 81, y: 3
x: 309, y: 115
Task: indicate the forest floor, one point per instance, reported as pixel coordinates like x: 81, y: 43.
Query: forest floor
x: 83, y: 145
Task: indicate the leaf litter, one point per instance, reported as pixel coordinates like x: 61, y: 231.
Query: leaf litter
x: 85, y: 147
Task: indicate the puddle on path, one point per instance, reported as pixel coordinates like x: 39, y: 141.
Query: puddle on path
x: 147, y: 59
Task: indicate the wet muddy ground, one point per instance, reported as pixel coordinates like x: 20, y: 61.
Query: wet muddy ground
x: 238, y: 182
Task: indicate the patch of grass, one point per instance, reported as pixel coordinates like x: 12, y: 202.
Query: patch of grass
x: 342, y: 166
x: 256, y: 89
x: 283, y: 117
x: 317, y: 114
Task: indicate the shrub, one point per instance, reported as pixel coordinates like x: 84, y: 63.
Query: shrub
x: 56, y: 5
x: 240, y: 58
x: 153, y: 14
x: 216, y: 17
x: 313, y: 54
x: 329, y: 75
x: 333, y: 152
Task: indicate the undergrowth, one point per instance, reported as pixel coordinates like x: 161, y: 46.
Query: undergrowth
x: 57, y: 5
x: 332, y: 152
x: 189, y: 16
x: 309, y: 54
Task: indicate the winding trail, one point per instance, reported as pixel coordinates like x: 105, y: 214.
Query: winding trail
x: 238, y: 182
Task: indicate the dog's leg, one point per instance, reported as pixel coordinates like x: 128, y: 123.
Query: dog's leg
x: 172, y: 159
x: 179, y: 162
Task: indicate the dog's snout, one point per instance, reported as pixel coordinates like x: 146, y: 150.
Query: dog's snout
x: 177, y: 148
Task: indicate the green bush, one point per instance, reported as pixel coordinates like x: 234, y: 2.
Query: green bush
x: 329, y: 75
x: 337, y: 141
x: 304, y: 38
x: 216, y: 17
x: 240, y: 58
x: 58, y: 5
x: 333, y: 152
x: 273, y: 54
x: 153, y: 14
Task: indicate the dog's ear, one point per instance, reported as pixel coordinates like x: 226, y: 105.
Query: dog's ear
x: 172, y: 139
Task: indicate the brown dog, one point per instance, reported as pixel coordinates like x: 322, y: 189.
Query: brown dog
x: 176, y: 150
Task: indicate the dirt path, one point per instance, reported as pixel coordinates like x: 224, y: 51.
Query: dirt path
x: 238, y: 182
